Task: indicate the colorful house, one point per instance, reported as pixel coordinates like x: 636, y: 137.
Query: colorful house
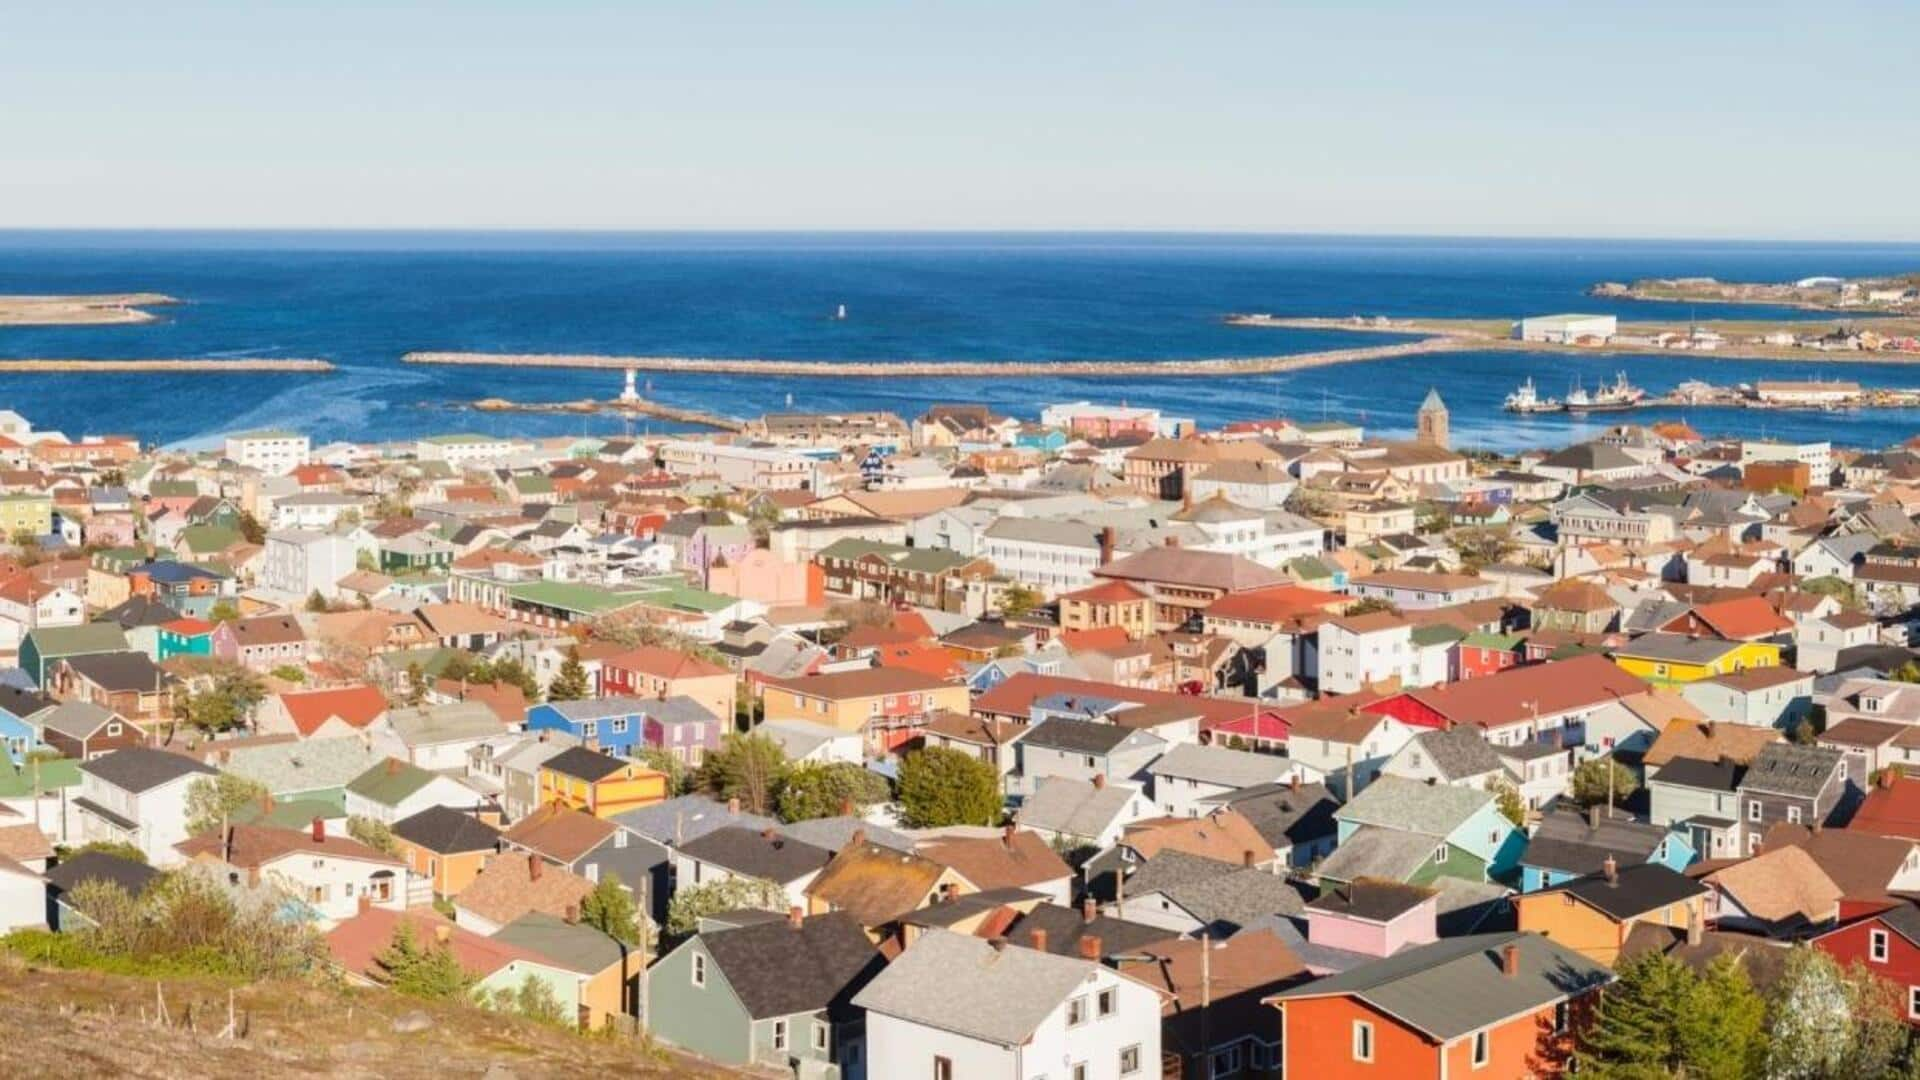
x: 1882, y: 936
x: 1406, y: 831
x: 1671, y: 658
x: 599, y: 784
x: 1567, y: 844
x: 445, y: 846
x: 891, y: 706
x: 1593, y: 915
x: 1495, y: 1005
x: 185, y: 637
x: 26, y: 513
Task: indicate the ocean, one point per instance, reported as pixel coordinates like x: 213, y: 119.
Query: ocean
x: 362, y: 300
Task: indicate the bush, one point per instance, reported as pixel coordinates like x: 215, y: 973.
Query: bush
x: 818, y: 791
x: 186, y: 923
x: 940, y: 787
x: 372, y: 833
x: 532, y: 999
x: 690, y: 904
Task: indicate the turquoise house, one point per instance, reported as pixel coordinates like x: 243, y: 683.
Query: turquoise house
x: 184, y: 637
x: 1568, y: 844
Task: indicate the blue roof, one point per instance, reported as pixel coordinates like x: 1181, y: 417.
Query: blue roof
x: 170, y: 572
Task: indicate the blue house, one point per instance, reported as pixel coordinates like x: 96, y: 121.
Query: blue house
x: 1407, y: 831
x: 616, y: 724
x: 1570, y: 844
x: 18, y: 732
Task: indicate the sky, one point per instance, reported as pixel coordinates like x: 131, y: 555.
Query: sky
x: 1676, y: 119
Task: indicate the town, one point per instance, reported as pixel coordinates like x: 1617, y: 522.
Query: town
x: 962, y: 746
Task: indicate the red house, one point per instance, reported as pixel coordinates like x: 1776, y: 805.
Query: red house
x: 1520, y: 703
x: 1482, y: 654
x: 1884, y: 937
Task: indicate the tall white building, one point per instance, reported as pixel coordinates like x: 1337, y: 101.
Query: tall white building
x: 275, y: 453
x: 1818, y: 456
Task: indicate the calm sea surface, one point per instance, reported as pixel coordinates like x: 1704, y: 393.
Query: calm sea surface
x: 362, y: 300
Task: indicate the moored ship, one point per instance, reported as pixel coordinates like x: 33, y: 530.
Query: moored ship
x: 1527, y: 400
x: 1620, y: 395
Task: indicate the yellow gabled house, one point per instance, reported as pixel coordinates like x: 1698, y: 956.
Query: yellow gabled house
x: 1673, y: 658
x: 599, y: 784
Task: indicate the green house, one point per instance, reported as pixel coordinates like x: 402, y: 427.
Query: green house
x: 42, y: 647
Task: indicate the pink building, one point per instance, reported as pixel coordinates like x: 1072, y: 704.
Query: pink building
x: 1373, y: 917
x: 111, y: 528
x: 760, y: 575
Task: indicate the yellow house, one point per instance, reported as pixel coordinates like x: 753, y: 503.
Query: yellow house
x: 889, y: 705
x: 1672, y: 658
x: 26, y: 513
x: 1593, y: 915
x: 599, y: 784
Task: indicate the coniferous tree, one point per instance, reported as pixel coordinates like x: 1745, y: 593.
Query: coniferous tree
x: 570, y: 683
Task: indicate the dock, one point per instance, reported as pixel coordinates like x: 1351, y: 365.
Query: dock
x: 165, y: 367
x: 622, y: 406
x: 973, y: 369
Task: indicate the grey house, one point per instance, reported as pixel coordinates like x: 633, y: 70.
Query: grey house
x: 1797, y: 785
x: 1701, y: 797
x: 1084, y: 749
x: 1295, y: 817
x: 777, y: 994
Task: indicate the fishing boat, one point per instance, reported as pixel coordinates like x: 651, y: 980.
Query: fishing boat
x: 1620, y: 395
x: 1527, y: 400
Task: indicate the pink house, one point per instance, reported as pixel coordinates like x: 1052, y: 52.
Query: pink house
x: 1373, y: 917
x: 111, y: 528
x: 760, y: 575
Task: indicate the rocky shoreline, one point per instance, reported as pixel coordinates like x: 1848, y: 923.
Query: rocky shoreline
x: 96, y: 310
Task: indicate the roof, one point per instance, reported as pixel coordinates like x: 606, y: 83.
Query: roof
x: 390, y: 781
x: 1457, y: 985
x: 1862, y: 864
x: 452, y: 722
x: 1576, y: 842
x: 1430, y: 810
x: 132, y: 876
x: 584, y: 764
x: 356, y: 942
x: 1518, y: 694
x: 1371, y: 900
x: 1283, y: 813
x: 983, y: 990
x: 766, y: 853
x: 866, y: 682
x: 139, y: 769
x: 1633, y: 891
x: 77, y: 719
x: 1374, y: 852
x: 94, y: 637
x: 1220, y: 765
x: 688, y: 817
x: 1188, y: 566
x: 559, y: 832
x: 1780, y: 886
x: 447, y: 831
x: 1077, y: 736
x: 1676, y: 649
x: 1458, y: 752
x: 570, y: 945
x: 296, y: 766
x: 1219, y: 895
x: 875, y: 884
x: 1066, y: 927
x: 999, y: 862
x: 1718, y: 775
x: 1891, y: 808
x: 778, y: 969
x: 664, y: 663
x: 509, y: 887
x: 1075, y: 807
x: 1784, y: 768
x: 1708, y: 741
x: 254, y: 846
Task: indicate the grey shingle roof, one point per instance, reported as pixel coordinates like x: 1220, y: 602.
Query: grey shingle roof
x: 1694, y: 773
x: 1077, y: 736
x: 1373, y: 852
x: 1790, y: 769
x: 778, y: 970
x: 963, y: 984
x: 1283, y: 814
x: 1394, y: 802
x: 573, y: 946
x: 1220, y: 765
x: 1566, y: 840
x: 1457, y: 752
x: 1074, y: 807
x: 1635, y: 890
x: 1233, y: 897
x: 1456, y: 985
x: 746, y: 851
x: 687, y: 818
x: 138, y: 769
x: 446, y: 830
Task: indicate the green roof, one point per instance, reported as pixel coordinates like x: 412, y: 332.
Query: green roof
x: 1306, y: 566
x: 1435, y: 635
x: 293, y: 814
x: 456, y: 440
x: 162, y: 489
x: 96, y: 637
x: 923, y: 560
x: 390, y: 781
x: 203, y: 538
x: 1480, y: 639
x: 575, y: 597
x: 27, y: 496
x: 690, y: 599
x: 16, y: 782
x: 533, y: 485
x: 433, y: 659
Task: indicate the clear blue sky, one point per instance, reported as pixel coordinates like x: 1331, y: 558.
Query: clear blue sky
x: 1684, y: 119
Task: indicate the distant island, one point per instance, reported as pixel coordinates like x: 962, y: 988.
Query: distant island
x: 102, y: 310
x: 1894, y: 293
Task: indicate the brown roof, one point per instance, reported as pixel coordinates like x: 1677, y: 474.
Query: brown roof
x: 875, y: 884
x: 1860, y: 731
x: 267, y: 630
x: 1708, y: 741
x: 1779, y: 885
x: 664, y: 663
x: 964, y: 727
x: 1224, y: 836
x: 24, y: 842
x: 1199, y: 569
x: 999, y: 862
x: 459, y: 618
x: 1514, y: 695
x: 1246, y: 962
x: 512, y: 885
x: 869, y: 682
x: 1762, y: 678
x: 1575, y: 594
x: 559, y: 832
x: 253, y: 846
x: 1863, y: 864
x: 508, y: 702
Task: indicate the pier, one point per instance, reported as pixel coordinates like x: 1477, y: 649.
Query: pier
x: 101, y: 310
x: 893, y: 369
x: 164, y: 367
x: 625, y: 406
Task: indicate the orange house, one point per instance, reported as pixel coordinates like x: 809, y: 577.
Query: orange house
x: 445, y: 846
x: 1593, y: 915
x: 1493, y: 1005
x: 889, y: 705
x: 599, y: 784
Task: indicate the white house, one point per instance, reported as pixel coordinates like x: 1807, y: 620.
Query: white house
x: 461, y: 449
x: 311, y: 510
x: 28, y: 604
x: 1330, y: 740
x: 1188, y: 774
x: 23, y: 896
x: 957, y: 1007
x: 331, y: 875
x: 275, y: 453
x: 138, y: 796
x: 393, y: 790
x: 300, y: 562
x: 1817, y: 456
x: 1359, y: 649
x: 1567, y: 329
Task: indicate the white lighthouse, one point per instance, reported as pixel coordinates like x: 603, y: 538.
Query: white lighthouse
x: 629, y: 393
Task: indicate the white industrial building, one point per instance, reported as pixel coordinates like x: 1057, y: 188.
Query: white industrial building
x: 275, y: 453
x: 1568, y: 329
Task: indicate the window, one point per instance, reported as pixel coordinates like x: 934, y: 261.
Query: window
x: 1225, y: 1062
x: 1103, y: 1005
x: 1877, y: 946
x: 593, y: 873
x: 1753, y: 810
x: 113, y: 729
x: 1079, y: 1071
x: 942, y: 1068
x: 1913, y: 1002
x: 620, y: 725
x: 699, y: 969
x: 1089, y: 761
x: 1562, y: 1015
x: 819, y: 1037
x: 1793, y: 814
x: 589, y: 730
x: 1130, y: 1060
x: 1440, y: 854
x: 1076, y: 1011
x: 620, y: 839
x: 1482, y: 1049
x: 779, y: 1034
x: 1362, y: 1041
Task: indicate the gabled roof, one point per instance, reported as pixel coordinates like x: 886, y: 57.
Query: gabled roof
x: 584, y: 764
x: 1633, y: 891
x: 1457, y: 985
x: 875, y: 884
x: 1790, y: 769
x: 559, y: 832
x: 1187, y: 566
x: 356, y: 706
x: 510, y: 886
x: 1570, y: 841
x: 1394, y: 802
x: 999, y: 862
x: 996, y: 993
x: 1220, y: 765
x: 253, y: 846
x: 447, y: 831
x: 139, y: 769
x: 765, y: 854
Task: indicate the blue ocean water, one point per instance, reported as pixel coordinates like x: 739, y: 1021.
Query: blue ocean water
x: 364, y: 299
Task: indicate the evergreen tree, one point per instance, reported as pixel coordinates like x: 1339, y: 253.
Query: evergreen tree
x: 424, y: 972
x: 940, y: 787
x: 316, y: 603
x: 570, y: 683
x: 610, y: 909
x: 1633, y: 1035
x: 819, y: 791
x: 1722, y: 1028
x: 751, y: 768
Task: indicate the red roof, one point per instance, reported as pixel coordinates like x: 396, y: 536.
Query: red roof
x: 1276, y: 604
x: 663, y: 663
x: 1108, y: 592
x: 1262, y: 725
x: 188, y: 627
x: 1100, y: 637
x: 922, y: 657
x: 1742, y: 618
x: 1892, y: 808
x: 355, y: 942
x: 358, y: 706
x: 1515, y: 695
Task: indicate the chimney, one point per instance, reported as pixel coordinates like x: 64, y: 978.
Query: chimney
x: 1099, y: 781
x: 393, y: 766
x: 533, y: 867
x: 1090, y: 947
x: 1246, y: 858
x: 1695, y: 932
x: 1107, y: 541
x: 1611, y: 869
x: 573, y: 913
x: 1088, y: 910
x: 266, y: 803
x: 1173, y: 541
x: 1888, y: 778
x: 1293, y: 782
x: 733, y: 805
x: 846, y: 806
x: 319, y: 830
x: 1039, y: 938
x: 795, y: 917
x: 999, y: 944
x: 226, y: 757
x: 1510, y: 960
x: 1006, y: 836
x: 1593, y: 816
x: 443, y: 933
x: 365, y: 903
x: 857, y: 839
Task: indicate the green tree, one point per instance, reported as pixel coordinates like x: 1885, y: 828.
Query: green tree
x: 514, y: 673
x: 226, y: 701
x: 533, y: 999
x: 1836, y: 587
x: 1507, y: 797
x: 222, y: 611
x: 290, y: 673
x: 610, y: 909
x: 372, y: 832
x: 251, y: 529
x: 690, y: 904
x: 430, y: 971
x: 1019, y: 600
x: 1832, y: 1021
x: 1634, y: 1035
x: 1480, y: 546
x: 661, y: 759
x: 1598, y: 779
x: 941, y: 787
x: 316, y: 603
x: 1722, y: 1029
x: 123, y: 848
x: 211, y: 800
x: 1372, y: 604
x: 750, y: 768
x: 570, y: 682
x: 416, y: 690
x: 819, y: 791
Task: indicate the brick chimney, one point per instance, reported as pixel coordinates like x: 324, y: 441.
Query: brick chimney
x: 846, y: 806
x: 1089, y: 910
x: 999, y: 944
x: 1039, y: 938
x: 1173, y: 541
x: 266, y: 803
x: 443, y: 933
x: 1510, y: 960
x: 393, y: 766
x: 319, y: 830
x: 533, y: 867
x: 1107, y: 542
x: 1099, y: 781
x: 1006, y: 836
x: 572, y: 914
x: 1611, y: 869
x: 795, y: 917
x: 733, y: 805
x: 364, y: 904
x: 1293, y: 782
x: 1888, y: 777
x: 1090, y: 947
x: 1246, y: 858
x: 857, y: 839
